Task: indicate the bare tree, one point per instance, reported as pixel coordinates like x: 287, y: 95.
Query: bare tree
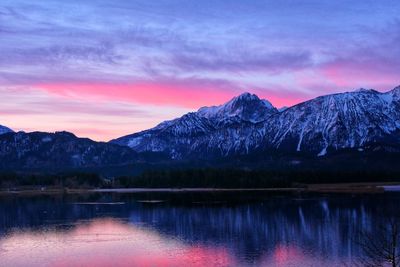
x: 381, y: 247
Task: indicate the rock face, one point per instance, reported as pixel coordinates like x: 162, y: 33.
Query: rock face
x: 245, y: 107
x: 4, y: 130
x: 60, y: 150
x: 247, y: 124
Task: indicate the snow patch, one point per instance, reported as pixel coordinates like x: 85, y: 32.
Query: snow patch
x: 47, y: 139
x: 388, y: 98
x: 134, y: 141
x: 323, y: 152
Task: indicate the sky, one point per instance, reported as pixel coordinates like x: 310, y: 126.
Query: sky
x: 103, y: 69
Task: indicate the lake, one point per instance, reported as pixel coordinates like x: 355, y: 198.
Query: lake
x: 189, y: 229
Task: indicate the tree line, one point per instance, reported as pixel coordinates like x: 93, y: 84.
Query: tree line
x: 203, y: 177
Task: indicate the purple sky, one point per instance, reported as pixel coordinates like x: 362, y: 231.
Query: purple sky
x: 103, y: 69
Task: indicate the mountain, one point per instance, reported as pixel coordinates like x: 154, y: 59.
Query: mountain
x: 56, y: 151
x: 362, y: 123
x: 245, y: 107
x: 246, y: 124
x: 338, y: 121
x: 4, y: 130
x: 179, y: 136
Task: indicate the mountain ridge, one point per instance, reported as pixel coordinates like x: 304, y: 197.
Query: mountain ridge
x: 4, y: 129
x: 363, y: 121
x: 329, y: 122
x: 59, y: 150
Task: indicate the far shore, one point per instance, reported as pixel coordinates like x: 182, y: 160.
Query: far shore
x: 318, y: 188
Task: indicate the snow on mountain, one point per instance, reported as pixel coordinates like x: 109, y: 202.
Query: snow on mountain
x: 4, y: 130
x: 246, y: 123
x: 181, y: 132
x: 168, y: 134
x: 395, y: 93
x: 337, y: 121
x: 246, y: 107
x: 360, y: 120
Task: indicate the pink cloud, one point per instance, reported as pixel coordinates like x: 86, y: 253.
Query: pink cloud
x: 188, y: 95
x: 103, y: 111
x: 191, y: 95
x: 282, y: 97
x: 352, y: 73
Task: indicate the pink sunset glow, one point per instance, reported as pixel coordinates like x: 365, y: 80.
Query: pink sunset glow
x: 116, y: 76
x: 179, y: 95
x: 190, y: 96
x: 103, y: 111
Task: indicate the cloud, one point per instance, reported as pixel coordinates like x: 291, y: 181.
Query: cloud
x: 273, y: 62
x: 188, y: 93
x: 30, y: 109
x: 131, y: 42
x: 374, y: 63
x: 62, y: 107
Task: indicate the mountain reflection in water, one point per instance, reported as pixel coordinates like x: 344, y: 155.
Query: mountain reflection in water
x: 187, y: 230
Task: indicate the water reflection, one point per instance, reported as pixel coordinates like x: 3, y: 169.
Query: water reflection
x: 183, y: 230
x: 105, y: 242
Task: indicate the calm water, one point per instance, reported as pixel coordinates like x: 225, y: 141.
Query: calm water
x: 196, y: 229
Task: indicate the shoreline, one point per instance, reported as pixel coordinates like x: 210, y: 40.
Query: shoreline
x: 310, y: 188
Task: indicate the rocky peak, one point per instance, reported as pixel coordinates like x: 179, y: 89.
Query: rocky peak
x: 364, y: 90
x: 247, y: 107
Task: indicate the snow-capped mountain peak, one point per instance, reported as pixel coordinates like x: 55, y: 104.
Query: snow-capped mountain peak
x: 247, y: 107
x: 246, y: 96
x: 246, y: 123
x: 268, y: 104
x: 364, y: 90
